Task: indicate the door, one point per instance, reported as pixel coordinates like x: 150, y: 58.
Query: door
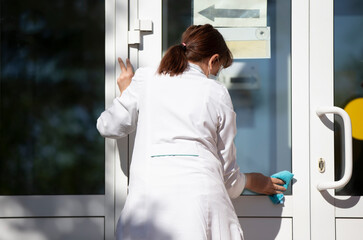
x: 57, y: 74
x: 336, y: 63
x: 269, y: 86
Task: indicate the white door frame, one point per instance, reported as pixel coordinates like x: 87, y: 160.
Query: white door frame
x: 321, y: 94
x: 300, y: 119
x: 128, y: 15
x: 122, y: 152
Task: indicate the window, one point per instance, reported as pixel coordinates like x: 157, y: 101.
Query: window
x: 52, y: 91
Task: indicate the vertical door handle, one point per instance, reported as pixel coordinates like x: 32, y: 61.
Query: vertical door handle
x: 348, y: 148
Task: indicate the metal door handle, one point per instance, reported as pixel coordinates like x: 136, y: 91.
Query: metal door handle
x: 348, y: 148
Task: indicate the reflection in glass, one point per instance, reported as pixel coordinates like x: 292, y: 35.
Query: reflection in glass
x: 348, y: 84
x: 177, y: 16
x: 52, y: 90
x: 263, y: 99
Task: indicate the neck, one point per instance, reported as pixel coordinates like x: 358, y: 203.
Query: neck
x: 202, y: 66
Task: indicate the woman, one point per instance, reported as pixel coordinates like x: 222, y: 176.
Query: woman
x: 183, y: 171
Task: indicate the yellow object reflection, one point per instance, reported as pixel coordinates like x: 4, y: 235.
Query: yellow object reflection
x: 355, y: 110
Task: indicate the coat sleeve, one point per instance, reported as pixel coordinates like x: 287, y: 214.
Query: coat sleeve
x: 234, y: 180
x: 120, y: 119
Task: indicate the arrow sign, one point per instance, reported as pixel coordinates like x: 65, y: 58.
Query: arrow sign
x: 212, y: 13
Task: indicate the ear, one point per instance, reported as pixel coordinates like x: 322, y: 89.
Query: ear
x: 213, y: 60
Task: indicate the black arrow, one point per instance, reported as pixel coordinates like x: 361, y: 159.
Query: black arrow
x: 212, y: 13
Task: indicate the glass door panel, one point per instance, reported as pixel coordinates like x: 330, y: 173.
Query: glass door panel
x: 259, y: 81
x: 348, y: 87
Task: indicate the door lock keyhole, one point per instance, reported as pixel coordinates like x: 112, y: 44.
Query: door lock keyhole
x: 321, y: 165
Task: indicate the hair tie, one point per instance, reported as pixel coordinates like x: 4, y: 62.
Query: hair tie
x: 184, y: 46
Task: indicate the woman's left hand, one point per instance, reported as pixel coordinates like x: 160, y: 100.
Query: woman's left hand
x: 260, y: 183
x: 125, y: 77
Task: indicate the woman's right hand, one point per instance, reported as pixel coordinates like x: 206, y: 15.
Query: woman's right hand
x: 125, y: 77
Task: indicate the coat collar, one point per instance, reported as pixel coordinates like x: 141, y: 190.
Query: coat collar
x: 195, y: 68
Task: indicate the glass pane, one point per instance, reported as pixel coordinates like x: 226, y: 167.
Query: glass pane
x: 259, y: 81
x: 52, y: 90
x: 348, y: 87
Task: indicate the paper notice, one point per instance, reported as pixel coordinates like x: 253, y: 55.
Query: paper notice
x: 247, y: 42
x: 249, y: 49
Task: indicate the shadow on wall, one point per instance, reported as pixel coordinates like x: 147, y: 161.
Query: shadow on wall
x: 52, y: 228
x: 262, y: 227
x: 49, y: 217
x: 42, y: 227
x: 266, y: 228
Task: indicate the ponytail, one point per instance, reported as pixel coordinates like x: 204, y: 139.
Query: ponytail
x: 199, y: 42
x: 175, y: 61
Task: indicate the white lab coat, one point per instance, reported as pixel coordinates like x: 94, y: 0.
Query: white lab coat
x: 183, y: 171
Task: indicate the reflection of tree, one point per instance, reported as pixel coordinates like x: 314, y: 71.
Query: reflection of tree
x: 348, y: 81
x: 173, y: 29
x: 52, y: 91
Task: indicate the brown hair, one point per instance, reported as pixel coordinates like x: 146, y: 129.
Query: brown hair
x: 198, y: 43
